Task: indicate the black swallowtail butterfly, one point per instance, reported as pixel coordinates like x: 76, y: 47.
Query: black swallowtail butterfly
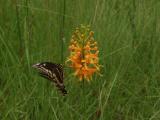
x: 52, y: 72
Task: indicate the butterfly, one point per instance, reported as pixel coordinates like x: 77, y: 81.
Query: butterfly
x: 52, y: 72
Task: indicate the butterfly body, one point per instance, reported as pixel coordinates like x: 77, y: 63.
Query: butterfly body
x: 52, y: 72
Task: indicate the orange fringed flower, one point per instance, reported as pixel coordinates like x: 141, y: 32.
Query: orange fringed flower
x: 83, y: 53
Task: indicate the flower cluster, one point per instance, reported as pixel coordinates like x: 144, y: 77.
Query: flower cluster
x: 83, y: 53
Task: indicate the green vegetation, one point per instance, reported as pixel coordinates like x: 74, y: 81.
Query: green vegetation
x: 128, y: 34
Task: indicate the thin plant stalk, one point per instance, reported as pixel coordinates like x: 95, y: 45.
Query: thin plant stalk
x: 21, y: 50
x: 62, y: 5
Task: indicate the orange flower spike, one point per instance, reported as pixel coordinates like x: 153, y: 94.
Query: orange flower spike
x: 83, y: 53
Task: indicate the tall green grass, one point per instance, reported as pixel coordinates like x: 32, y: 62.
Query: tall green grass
x: 127, y: 32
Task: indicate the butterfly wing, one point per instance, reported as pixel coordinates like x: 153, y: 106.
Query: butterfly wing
x: 52, y: 72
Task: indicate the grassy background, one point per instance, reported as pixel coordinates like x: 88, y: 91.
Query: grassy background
x: 128, y: 33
